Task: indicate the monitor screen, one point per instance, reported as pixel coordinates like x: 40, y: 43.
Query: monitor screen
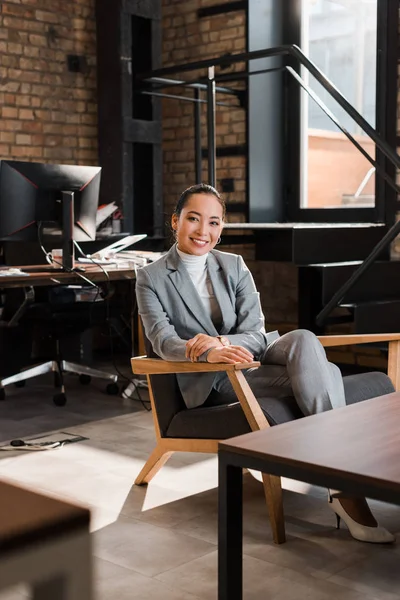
x: 30, y: 196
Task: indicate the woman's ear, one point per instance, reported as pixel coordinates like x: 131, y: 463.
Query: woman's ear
x: 174, y: 222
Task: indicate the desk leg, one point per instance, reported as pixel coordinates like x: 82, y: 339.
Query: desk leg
x: 230, y: 531
x: 70, y: 571
x: 50, y: 589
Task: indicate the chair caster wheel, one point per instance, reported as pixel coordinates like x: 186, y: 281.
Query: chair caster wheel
x: 20, y: 384
x: 2, y: 394
x: 60, y: 399
x: 85, y: 379
x: 112, y: 389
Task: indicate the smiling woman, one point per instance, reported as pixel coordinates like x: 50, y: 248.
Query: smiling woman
x: 200, y: 304
x: 198, y: 219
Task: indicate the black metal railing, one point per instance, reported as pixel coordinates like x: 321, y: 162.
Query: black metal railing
x: 158, y: 78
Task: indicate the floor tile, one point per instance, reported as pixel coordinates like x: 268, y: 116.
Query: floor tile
x: 146, y: 548
x: 114, y: 581
x: 260, y: 580
x: 377, y: 573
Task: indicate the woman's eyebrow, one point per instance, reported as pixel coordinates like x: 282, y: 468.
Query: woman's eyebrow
x: 199, y: 214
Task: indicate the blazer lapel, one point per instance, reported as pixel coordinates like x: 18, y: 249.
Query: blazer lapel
x: 217, y: 277
x: 180, y: 278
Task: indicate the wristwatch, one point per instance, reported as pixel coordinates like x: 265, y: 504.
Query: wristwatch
x: 224, y: 340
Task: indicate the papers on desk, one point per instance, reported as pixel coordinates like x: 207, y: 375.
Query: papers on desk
x: 116, y: 262
x: 11, y: 272
x: 148, y: 255
x: 117, y: 256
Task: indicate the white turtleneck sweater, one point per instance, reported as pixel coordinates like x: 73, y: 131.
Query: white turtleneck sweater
x: 198, y: 272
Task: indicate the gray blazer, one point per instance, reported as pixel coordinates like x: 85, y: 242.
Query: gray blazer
x: 172, y: 312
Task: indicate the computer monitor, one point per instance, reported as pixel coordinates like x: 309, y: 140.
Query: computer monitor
x: 50, y: 202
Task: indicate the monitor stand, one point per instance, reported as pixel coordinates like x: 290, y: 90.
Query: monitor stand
x: 68, y: 247
x: 68, y: 220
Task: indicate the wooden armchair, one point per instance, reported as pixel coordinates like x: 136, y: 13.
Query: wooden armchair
x: 200, y: 429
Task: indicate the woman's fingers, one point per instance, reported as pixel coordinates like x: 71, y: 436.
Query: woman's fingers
x: 190, y: 343
x: 230, y: 354
x: 199, y: 349
x: 194, y: 350
x: 199, y: 344
x: 240, y: 354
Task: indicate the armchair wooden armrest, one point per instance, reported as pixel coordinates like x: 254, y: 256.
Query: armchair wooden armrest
x: 358, y: 338
x: 369, y: 338
x: 142, y: 365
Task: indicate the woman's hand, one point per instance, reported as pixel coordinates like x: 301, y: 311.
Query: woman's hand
x: 199, y: 344
x: 230, y: 354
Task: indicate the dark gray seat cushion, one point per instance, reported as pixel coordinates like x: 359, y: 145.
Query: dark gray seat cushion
x: 220, y: 420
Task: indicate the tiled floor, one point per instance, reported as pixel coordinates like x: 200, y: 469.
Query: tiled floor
x: 160, y: 542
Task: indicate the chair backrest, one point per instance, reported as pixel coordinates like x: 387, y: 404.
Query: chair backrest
x: 167, y: 395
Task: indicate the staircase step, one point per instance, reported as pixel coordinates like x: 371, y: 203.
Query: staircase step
x: 380, y: 282
x: 307, y: 243
x: 375, y: 317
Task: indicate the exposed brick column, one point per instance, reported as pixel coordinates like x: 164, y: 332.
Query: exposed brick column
x: 47, y: 113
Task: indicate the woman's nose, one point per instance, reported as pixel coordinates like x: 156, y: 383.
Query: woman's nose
x: 202, y: 228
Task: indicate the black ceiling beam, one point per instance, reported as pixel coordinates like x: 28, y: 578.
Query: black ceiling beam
x: 236, y: 207
x: 224, y: 151
x: 220, y: 9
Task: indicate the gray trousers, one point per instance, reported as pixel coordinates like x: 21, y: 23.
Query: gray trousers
x: 296, y: 365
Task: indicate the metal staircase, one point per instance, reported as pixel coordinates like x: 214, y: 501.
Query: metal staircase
x: 345, y: 271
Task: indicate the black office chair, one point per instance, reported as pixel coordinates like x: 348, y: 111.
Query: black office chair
x: 54, y: 314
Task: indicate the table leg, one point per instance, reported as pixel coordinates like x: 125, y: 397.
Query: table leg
x: 70, y: 571
x: 230, y: 531
x: 50, y: 589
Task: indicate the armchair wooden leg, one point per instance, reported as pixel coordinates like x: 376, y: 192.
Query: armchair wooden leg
x: 394, y: 364
x: 157, y: 459
x: 273, y: 496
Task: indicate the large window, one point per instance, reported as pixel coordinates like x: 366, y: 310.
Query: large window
x: 339, y: 36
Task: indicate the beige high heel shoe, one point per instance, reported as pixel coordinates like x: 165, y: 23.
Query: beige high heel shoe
x: 363, y: 533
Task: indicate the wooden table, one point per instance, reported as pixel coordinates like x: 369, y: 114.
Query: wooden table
x: 355, y: 449
x: 45, y: 543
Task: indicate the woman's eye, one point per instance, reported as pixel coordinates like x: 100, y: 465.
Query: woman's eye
x: 192, y: 218
x: 215, y: 223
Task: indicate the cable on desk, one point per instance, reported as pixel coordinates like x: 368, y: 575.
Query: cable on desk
x: 110, y: 336
x: 60, y: 264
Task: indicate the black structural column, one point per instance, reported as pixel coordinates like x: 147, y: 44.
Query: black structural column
x: 267, y: 163
x: 130, y: 134
x: 386, y: 103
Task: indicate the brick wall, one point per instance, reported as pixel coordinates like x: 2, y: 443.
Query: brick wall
x: 47, y: 113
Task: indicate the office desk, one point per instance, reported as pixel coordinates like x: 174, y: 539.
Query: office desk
x: 92, y: 272
x: 47, y: 279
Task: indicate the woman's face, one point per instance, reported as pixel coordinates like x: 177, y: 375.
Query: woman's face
x: 199, y: 225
